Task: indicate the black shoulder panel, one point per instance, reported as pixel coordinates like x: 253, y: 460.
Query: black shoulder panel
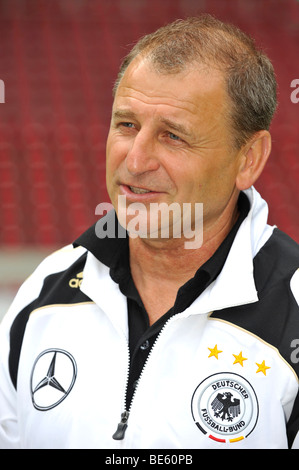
x: 275, y: 317
x: 58, y: 288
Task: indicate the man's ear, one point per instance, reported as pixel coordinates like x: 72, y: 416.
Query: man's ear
x: 253, y: 158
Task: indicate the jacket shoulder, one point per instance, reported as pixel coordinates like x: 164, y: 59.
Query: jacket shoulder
x: 277, y: 263
x: 53, y: 282
x: 274, y: 318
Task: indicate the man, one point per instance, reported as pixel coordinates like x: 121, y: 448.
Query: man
x: 141, y: 340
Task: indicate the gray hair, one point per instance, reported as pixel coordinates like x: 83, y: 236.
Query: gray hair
x: 204, y: 40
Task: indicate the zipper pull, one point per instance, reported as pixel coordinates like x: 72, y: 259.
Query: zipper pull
x: 121, y: 427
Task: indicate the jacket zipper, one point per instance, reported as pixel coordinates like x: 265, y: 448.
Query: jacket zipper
x: 123, y: 424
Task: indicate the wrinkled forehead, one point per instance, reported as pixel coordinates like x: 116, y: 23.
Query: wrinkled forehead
x: 199, y: 91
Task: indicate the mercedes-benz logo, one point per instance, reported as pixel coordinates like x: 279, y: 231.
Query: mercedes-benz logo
x: 53, y: 376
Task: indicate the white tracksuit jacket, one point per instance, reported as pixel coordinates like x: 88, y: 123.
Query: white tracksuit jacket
x: 222, y: 374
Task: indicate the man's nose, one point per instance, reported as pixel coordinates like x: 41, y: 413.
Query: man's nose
x: 142, y: 155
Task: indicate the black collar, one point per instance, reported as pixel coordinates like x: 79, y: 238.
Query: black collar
x: 114, y: 253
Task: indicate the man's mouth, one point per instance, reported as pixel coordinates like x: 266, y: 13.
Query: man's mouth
x: 139, y: 190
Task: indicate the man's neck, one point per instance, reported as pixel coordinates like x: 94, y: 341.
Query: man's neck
x: 160, y: 267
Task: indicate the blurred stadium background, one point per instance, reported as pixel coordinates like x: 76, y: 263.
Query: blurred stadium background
x: 58, y: 62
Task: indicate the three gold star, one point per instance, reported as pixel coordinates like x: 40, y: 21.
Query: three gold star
x: 239, y: 359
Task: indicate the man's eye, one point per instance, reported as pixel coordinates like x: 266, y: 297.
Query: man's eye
x: 127, y: 124
x: 174, y: 136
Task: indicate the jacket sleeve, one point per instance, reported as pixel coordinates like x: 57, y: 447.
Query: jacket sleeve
x: 9, y: 426
x: 293, y: 426
x: 9, y: 434
x: 293, y: 423
x: 9, y: 438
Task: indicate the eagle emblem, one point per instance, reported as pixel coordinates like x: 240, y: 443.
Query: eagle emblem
x: 225, y: 406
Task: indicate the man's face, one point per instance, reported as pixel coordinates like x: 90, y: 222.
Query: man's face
x: 170, y: 141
